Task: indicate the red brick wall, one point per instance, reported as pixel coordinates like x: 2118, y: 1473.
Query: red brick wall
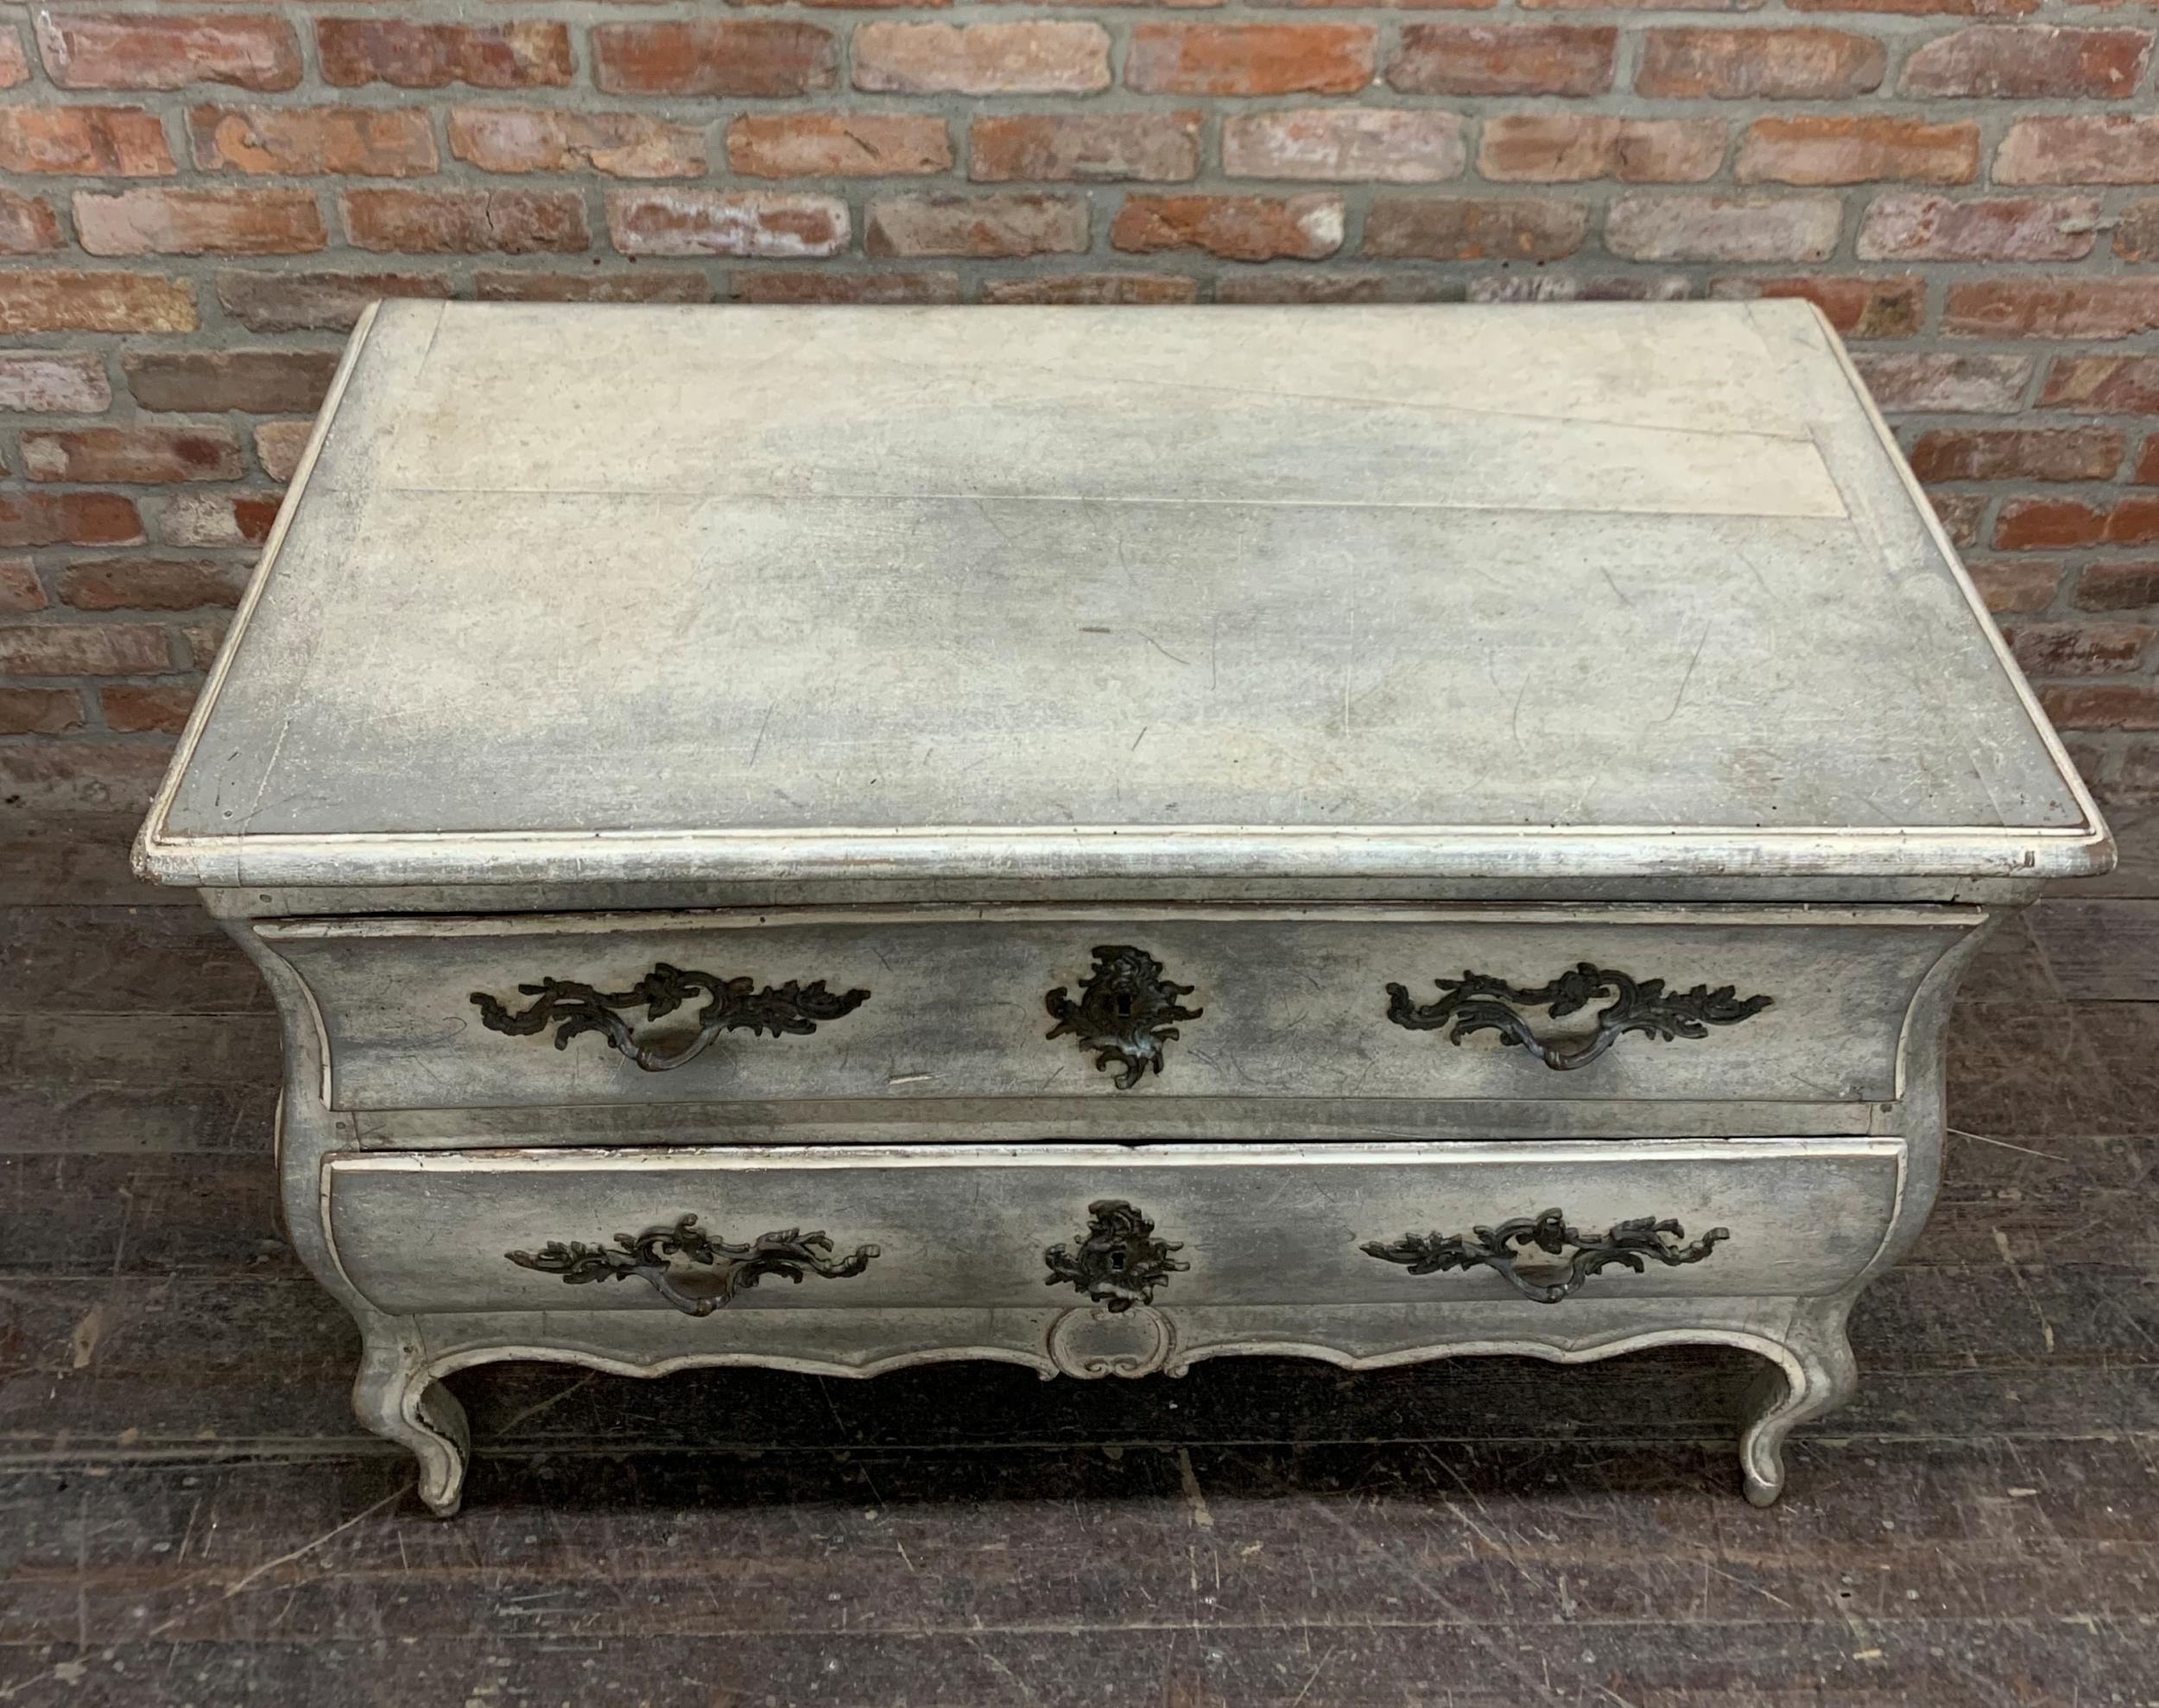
x: 194, y: 202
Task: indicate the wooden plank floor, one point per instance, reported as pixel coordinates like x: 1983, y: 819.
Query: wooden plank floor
x: 188, y: 1514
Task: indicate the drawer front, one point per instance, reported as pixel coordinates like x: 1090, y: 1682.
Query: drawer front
x: 1002, y: 1227
x: 1800, y: 1004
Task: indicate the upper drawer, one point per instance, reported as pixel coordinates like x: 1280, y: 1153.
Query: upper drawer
x: 1795, y: 1003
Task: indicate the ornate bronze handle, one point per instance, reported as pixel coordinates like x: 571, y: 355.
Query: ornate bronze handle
x: 1626, y: 1244
x: 1119, y: 1262
x: 731, y: 1004
x: 1126, y: 1012
x: 1479, y: 1003
x: 729, y: 1268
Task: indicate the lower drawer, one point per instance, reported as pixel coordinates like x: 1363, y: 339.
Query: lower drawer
x: 994, y: 1226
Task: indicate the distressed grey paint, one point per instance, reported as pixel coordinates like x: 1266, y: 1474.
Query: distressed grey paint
x: 1389, y: 592
x: 1345, y: 648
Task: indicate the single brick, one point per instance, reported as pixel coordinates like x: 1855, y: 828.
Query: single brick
x: 217, y: 518
x: 2136, y: 230
x: 1098, y: 148
x: 138, y: 453
x: 2133, y: 522
x: 821, y: 285
x: 2080, y: 649
x: 1095, y: 290
x: 68, y: 519
x: 1945, y: 383
x: 94, y: 302
x: 1237, y: 228
x: 1345, y: 145
x: 2103, y: 385
x: 2013, y: 585
x: 1274, y: 285
x: 2053, y: 308
x: 316, y: 302
x: 55, y: 382
x: 977, y: 226
x: 1461, y: 59
x: 1858, y: 307
x: 2103, y: 705
x: 29, y: 226
x: 2029, y: 62
x: 2119, y: 586
x: 85, y: 649
x: 254, y: 382
x: 1723, y: 228
x: 1580, y: 287
x: 40, y: 711
x: 1468, y: 228
x: 726, y: 222
x: 19, y: 588
x: 1960, y: 514
x: 1746, y: 64
x: 837, y: 145
x: 200, y: 222
x: 2101, y: 149
x: 92, y: 142
x: 1571, y: 148
x: 348, y: 141
x: 151, y: 584
x: 2017, y: 453
x: 466, y: 222
x: 2146, y: 473
x: 1914, y: 226
x: 710, y: 56
x: 279, y: 447
x: 1251, y: 59
x: 536, y: 139
x: 1957, y: 9
x: 111, y: 50
x: 646, y: 284
x: 14, y: 64
x: 2047, y: 524
x: 983, y: 58
x: 521, y: 54
x: 82, y: 776
x: 139, y: 708
x: 205, y: 640
x: 1848, y: 148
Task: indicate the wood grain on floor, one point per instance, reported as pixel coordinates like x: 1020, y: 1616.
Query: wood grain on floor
x: 188, y: 1514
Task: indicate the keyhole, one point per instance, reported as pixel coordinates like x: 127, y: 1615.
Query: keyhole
x: 1124, y: 1008
x: 1116, y: 1259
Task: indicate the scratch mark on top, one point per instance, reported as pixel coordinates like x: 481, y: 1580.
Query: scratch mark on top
x: 1160, y: 648
x: 1680, y: 698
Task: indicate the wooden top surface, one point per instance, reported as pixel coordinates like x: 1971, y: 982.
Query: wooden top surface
x: 620, y: 592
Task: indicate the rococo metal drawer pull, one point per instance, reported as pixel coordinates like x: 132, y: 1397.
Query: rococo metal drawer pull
x: 1119, y: 1261
x: 1627, y: 1245
x: 724, y: 1270
x: 1477, y: 1003
x: 1126, y: 1012
x: 731, y: 1004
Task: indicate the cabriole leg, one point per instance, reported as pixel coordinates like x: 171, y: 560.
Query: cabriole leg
x: 1827, y: 1376
x: 394, y: 1397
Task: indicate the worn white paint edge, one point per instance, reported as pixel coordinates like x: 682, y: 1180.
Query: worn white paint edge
x: 1929, y: 917
x: 1367, y: 851
x: 754, y: 1159
x: 2103, y: 850
x: 151, y: 837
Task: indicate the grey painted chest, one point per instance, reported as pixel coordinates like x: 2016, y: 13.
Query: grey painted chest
x: 836, y: 838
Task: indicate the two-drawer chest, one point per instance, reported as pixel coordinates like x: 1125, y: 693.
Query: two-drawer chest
x: 838, y: 838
